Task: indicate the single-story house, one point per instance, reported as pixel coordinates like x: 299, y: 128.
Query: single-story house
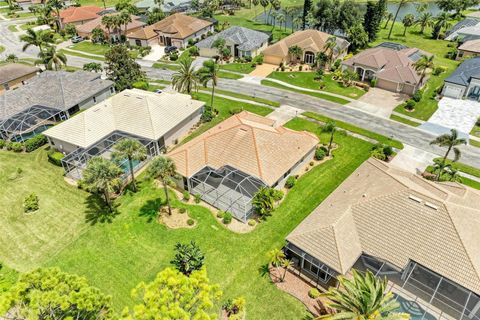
x: 85, y: 30
x: 242, y: 42
x: 393, y: 69
x: 174, y: 30
x: 474, y: 15
x: 157, y: 120
x: 467, y: 22
x: 310, y: 41
x: 48, y: 98
x: 422, y: 236
x: 169, y: 6
x: 464, y: 82
x: 229, y: 163
x: 464, y: 34
x: 468, y: 49
x: 13, y: 75
x: 79, y: 15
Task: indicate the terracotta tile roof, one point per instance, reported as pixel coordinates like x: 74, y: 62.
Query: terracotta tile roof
x: 247, y: 142
x: 76, y: 14
x: 308, y: 40
x: 180, y: 25
x: 14, y: 71
x: 97, y: 23
x: 396, y: 216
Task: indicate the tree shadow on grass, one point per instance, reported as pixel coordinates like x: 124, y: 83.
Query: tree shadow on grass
x: 97, y: 211
x: 264, y: 270
x: 150, y: 209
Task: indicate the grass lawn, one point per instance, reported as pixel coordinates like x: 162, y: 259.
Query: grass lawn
x: 428, y: 105
x: 77, y: 54
x: 475, y: 131
x: 306, y: 80
x: 229, y: 75
x: 405, y: 121
x: 2, y: 48
x: 313, y: 94
x: 464, y: 168
x: 350, y: 127
x: 474, y: 143
x: 238, y: 67
x: 246, y: 97
x: 471, y: 183
x: 166, y: 66
x: 89, y: 47
x: 12, y: 28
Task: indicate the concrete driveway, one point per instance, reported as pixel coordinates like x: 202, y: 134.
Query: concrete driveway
x: 283, y: 114
x: 263, y: 70
x: 157, y: 52
x: 379, y: 102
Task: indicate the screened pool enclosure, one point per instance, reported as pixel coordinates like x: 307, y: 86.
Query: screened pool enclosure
x: 75, y: 162
x: 227, y: 189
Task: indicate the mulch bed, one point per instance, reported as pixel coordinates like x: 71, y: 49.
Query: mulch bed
x: 176, y: 220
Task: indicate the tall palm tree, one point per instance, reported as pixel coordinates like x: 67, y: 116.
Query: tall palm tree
x: 289, y: 12
x: 364, y: 297
x: 442, y: 21
x: 124, y: 19
x: 424, y: 21
x: 186, y: 79
x: 423, y: 64
x: 102, y: 175
x: 296, y: 23
x: 264, y: 4
x: 281, y: 19
x: 52, y: 59
x: 408, y: 21
x: 56, y: 5
x: 274, y: 16
x: 109, y: 22
x: 209, y: 72
x: 130, y: 149
x: 388, y: 16
x: 329, y: 48
x: 163, y: 168
x: 330, y: 127
x: 400, y: 5
x: 38, y: 39
x: 451, y: 141
x: 276, y: 257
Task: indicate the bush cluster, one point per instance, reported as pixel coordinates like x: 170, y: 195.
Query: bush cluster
x: 291, y: 181
x: 410, y: 105
x: 15, y: 146
x: 186, y: 195
x: 417, y: 96
x: 227, y: 218
x: 314, y: 293
x: 190, y: 222
x: 320, y: 153
x: 30, y: 203
x: 251, y: 222
x: 382, y: 151
x: 197, y: 198
x: 55, y: 157
x: 35, y: 142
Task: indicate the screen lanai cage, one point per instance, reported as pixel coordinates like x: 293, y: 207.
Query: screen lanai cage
x: 227, y: 189
x: 75, y: 162
x: 30, y: 122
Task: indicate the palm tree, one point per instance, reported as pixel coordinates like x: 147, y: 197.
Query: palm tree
x: 330, y: 127
x: 424, y: 20
x: 130, y: 149
x: 295, y: 52
x: 209, y: 72
x: 400, y: 5
x: 362, y: 297
x: 450, y: 141
x: 109, y: 22
x: 102, y: 175
x: 186, y: 79
x: 274, y: 16
x: 264, y: 4
x: 52, y: 59
x: 286, y: 264
x: 276, y: 257
x: 329, y: 48
x: 289, y: 12
x: 442, y: 21
x: 281, y: 19
x: 388, y: 16
x: 408, y: 21
x: 124, y: 18
x: 297, y: 21
x: 423, y: 64
x: 163, y: 168
x: 38, y: 39
x: 57, y: 5
x: 255, y: 4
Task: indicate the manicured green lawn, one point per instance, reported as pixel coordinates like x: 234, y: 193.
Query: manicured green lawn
x: 474, y: 143
x: 307, y: 80
x: 77, y: 54
x: 238, y: 67
x: 89, y: 47
x: 405, y: 121
x: 246, y: 97
x: 8, y: 277
x: 229, y: 75
x: 474, y: 171
x: 475, y: 131
x: 166, y: 66
x: 12, y: 28
x: 310, y: 93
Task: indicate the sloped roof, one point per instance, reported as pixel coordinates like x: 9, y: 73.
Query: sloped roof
x: 54, y: 89
x: 246, y: 39
x: 396, y: 216
x: 468, y: 69
x: 12, y: 71
x: 145, y: 33
x: 471, y: 46
x: 308, y: 40
x: 467, y: 22
x: 465, y: 31
x: 247, y: 142
x: 180, y: 25
x: 97, y: 23
x: 76, y: 14
x: 167, y: 6
x: 141, y: 113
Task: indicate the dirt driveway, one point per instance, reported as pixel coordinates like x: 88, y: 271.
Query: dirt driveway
x: 380, y: 102
x: 263, y: 70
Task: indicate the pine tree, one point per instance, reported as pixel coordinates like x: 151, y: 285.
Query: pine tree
x: 307, y: 5
x: 370, y: 23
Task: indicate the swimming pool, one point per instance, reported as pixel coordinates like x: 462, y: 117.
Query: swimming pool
x: 415, y: 310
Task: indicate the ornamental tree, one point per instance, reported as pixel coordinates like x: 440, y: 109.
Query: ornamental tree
x: 188, y: 258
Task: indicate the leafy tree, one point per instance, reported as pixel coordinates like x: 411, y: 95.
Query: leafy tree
x: 126, y: 5
x: 93, y: 67
x: 408, y: 21
x: 130, y: 149
x: 11, y: 58
x: 70, y: 29
x: 329, y: 48
x: 52, y: 294
x: 102, y: 175
x: 324, y: 16
x: 121, y: 68
x: 307, y: 6
x: 423, y: 64
x: 349, y: 14
x: 155, y: 15
x: 98, y: 36
x: 173, y: 295
x: 362, y: 297
x: 185, y: 79
x: 450, y: 141
x: 442, y: 21
x: 52, y: 59
x: 330, y: 127
x: 424, y: 20
x: 220, y: 45
x: 264, y: 200
x: 188, y: 258
x: 357, y: 37
x: 400, y: 5
x: 295, y: 53
x: 456, y: 5
x: 370, y: 21
x: 163, y: 168
x: 209, y: 72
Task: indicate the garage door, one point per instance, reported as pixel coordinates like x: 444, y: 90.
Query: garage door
x: 272, y: 60
x: 452, y: 92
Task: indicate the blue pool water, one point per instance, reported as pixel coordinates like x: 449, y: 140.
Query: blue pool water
x: 416, y: 311
x: 125, y: 166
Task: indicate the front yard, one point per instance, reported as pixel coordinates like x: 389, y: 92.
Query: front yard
x: 238, y: 67
x: 90, y: 47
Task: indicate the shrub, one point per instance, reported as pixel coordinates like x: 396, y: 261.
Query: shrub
x: 142, y: 85
x: 220, y: 214
x: 198, y: 198
x: 235, y: 111
x: 251, y: 222
x: 182, y: 210
x: 320, y: 153
x: 173, y: 56
x: 2, y: 144
x: 410, y: 105
x: 319, y: 74
x: 55, y: 157
x: 35, y: 142
x: 438, y: 70
x: 207, y: 114
x: 186, y: 195
x: 373, y: 83
x: 290, y: 183
x: 194, y: 51
x: 300, y: 68
x: 314, y: 293
x: 190, y: 222
x: 378, y: 154
x: 30, y: 203
x: 417, y: 96
x: 258, y: 59
x: 15, y: 146
x: 227, y: 218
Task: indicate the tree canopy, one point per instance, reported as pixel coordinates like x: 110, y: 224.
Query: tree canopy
x: 121, y: 68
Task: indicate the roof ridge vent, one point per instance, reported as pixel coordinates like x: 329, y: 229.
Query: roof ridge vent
x: 431, y: 205
x: 416, y: 199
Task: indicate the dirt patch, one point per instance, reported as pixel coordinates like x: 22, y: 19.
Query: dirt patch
x: 177, y: 219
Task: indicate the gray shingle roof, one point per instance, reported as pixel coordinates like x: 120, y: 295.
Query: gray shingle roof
x: 12, y: 71
x: 246, y: 39
x: 467, y: 70
x: 468, y: 22
x: 60, y: 90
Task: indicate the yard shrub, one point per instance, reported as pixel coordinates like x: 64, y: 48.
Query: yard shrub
x: 173, y: 56
x: 190, y: 222
x: 227, y: 218
x: 55, y: 157
x: 373, y: 83
x: 194, y: 51
x: 378, y: 154
x: 186, y: 196
x: 198, y: 198
x: 35, y: 142
x: 2, y: 144
x: 417, y: 96
x: 30, y: 203
x: 15, y: 146
x: 314, y: 293
x: 290, y: 183
x: 438, y: 70
x: 182, y: 210
x: 207, y: 114
x: 258, y: 59
x: 220, y: 214
x: 410, y: 105
x: 320, y: 153
x: 264, y: 200
x: 142, y: 85
x: 382, y: 151
x: 251, y: 222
